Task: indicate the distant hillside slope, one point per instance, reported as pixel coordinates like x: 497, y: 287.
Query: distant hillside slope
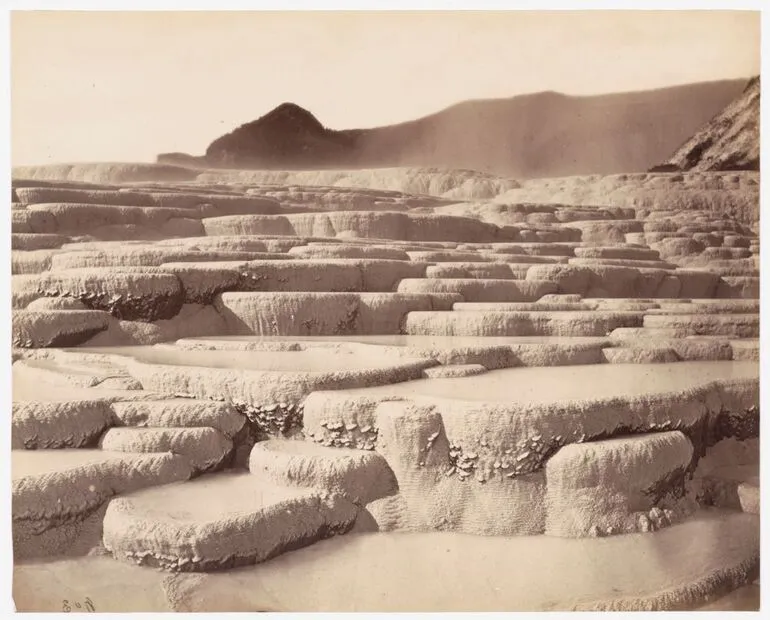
x: 538, y: 135
x: 730, y: 141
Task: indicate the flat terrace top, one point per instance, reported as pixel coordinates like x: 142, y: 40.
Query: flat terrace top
x: 211, y: 498
x: 40, y: 462
x: 409, y: 340
x: 35, y: 389
x: 569, y: 383
x: 309, y: 360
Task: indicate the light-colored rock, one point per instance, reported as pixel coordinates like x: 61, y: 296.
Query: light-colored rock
x: 59, y: 424
x: 250, y: 385
x: 221, y: 521
x: 454, y: 370
x: 192, y: 320
x: 732, y: 325
x: 140, y: 294
x: 495, y: 271
x: 414, y: 442
x: 604, y: 484
x: 32, y: 261
x: 328, y: 250
x: 56, y: 328
x: 42, y: 304
x: 322, y: 313
x: 181, y: 412
x: 32, y: 241
x: 104, y: 172
x: 492, y: 323
x: 455, y: 184
x: 206, y: 448
x: 620, y: 573
x: 53, y: 488
x: 480, y: 289
x: 640, y: 355
x: 359, y: 475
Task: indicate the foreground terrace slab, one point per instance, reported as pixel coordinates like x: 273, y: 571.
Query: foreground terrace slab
x: 367, y: 573
x: 221, y: 521
x: 56, y: 491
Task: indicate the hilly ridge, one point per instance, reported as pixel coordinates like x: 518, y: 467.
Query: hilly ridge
x: 529, y: 136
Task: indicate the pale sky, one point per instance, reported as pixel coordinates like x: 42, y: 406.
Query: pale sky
x: 124, y: 86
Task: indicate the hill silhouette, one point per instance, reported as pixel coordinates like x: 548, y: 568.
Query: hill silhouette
x: 538, y: 135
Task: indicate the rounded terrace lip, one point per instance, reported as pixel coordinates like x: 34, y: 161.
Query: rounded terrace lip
x: 303, y: 366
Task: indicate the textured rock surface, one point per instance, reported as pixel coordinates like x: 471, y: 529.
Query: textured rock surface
x: 59, y: 424
x: 51, y: 328
x: 56, y: 489
x: 182, y: 412
x: 614, y: 486
x: 361, y: 476
x: 206, y: 448
x: 266, y: 384
x: 223, y: 522
x: 730, y: 141
x: 387, y: 360
x: 664, y: 571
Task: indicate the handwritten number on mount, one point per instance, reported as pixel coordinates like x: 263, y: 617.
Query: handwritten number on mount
x: 86, y: 605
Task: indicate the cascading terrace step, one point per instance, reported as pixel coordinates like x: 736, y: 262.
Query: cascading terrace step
x: 496, y: 323
x: 206, y: 448
x: 221, y: 521
x: 476, y: 289
x: 57, y: 494
x: 732, y: 325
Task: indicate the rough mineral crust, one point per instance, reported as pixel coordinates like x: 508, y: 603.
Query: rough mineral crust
x: 59, y: 424
x: 192, y: 320
x: 361, y: 476
x: 458, y: 462
x: 614, y: 486
x: 492, y: 323
x: 128, y: 294
x: 56, y: 303
x: 454, y: 370
x: 271, y: 381
x: 222, y: 521
x: 324, y: 314
x: 206, y: 448
x: 56, y: 328
x: 55, y: 489
x: 180, y: 413
x: 480, y: 289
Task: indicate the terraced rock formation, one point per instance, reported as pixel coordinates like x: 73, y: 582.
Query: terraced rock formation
x: 210, y: 372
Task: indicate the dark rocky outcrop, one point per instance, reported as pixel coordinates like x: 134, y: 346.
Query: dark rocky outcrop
x: 730, y: 141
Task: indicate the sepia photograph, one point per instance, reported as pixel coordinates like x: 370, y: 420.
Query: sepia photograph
x: 383, y: 310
